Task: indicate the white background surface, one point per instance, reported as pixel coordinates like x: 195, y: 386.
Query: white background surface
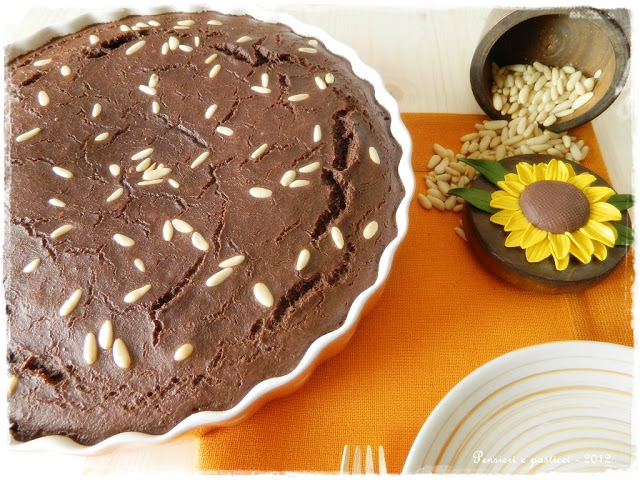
x: 423, y: 52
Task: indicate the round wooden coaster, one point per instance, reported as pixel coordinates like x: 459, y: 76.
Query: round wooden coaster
x: 486, y: 240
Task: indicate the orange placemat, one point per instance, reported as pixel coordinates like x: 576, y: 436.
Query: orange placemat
x: 440, y: 317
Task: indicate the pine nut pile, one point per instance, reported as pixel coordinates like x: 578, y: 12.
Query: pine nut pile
x: 547, y: 93
x: 535, y: 96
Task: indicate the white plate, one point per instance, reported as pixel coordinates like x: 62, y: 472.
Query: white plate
x: 560, y: 406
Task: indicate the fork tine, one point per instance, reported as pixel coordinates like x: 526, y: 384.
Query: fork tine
x: 344, y: 465
x: 382, y: 463
x: 368, y: 465
x: 356, y: 468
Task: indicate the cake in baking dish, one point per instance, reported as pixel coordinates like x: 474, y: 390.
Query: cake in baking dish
x: 192, y: 200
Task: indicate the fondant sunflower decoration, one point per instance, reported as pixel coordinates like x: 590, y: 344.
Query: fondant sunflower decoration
x: 550, y: 211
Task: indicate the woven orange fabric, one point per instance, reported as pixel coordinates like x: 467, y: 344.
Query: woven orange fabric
x: 440, y: 317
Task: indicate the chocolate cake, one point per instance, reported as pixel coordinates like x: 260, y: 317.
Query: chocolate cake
x: 192, y: 200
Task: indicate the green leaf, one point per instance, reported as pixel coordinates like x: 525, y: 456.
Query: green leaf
x: 476, y: 197
x: 625, y: 234
x: 621, y: 201
x: 489, y: 169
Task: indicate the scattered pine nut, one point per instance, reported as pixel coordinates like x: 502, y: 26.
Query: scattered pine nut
x: 181, y: 226
x: 288, y: 178
x: 199, y: 242
x: 121, y: 355
x: 219, y: 277
x: 259, y: 151
x: 424, y: 201
x: 338, y: 239
x: 259, y: 192
x: 183, y: 352
x: 135, y: 47
x: 460, y: 233
x: 201, y: 158
x: 303, y: 259
x: 105, y: 335
x: 299, y: 183
x: 259, y: 89
x: 224, y: 131
x: 123, y: 240
x: 135, y: 295
x: 90, y: 349
x: 31, y: 266
x: 167, y: 231
x: 12, y: 384
x: 232, y: 262
x: 299, y: 97
x: 27, y: 135
x: 71, y: 303
x: 370, y: 230
x: 62, y: 172
x: 373, y: 155
x: 312, y: 167
x: 263, y: 294
x: 115, y: 195
x: 57, y: 203
x: 60, y: 231
x: 43, y: 98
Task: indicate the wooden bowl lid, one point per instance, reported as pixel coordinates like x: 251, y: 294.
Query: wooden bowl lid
x: 486, y: 240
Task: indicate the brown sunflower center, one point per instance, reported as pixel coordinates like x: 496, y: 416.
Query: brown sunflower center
x: 555, y: 207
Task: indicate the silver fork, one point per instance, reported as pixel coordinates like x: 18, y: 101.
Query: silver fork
x: 356, y: 466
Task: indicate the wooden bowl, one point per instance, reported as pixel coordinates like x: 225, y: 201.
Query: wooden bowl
x: 486, y: 240
x: 585, y: 38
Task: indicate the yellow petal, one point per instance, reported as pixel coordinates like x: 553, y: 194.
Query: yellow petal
x: 500, y: 194
x: 579, y: 253
x: 560, y: 244
x: 512, y: 188
x: 612, y: 229
x: 512, y: 177
x: 557, y: 170
x: 502, y: 217
x: 570, y: 170
x: 538, y: 252
x: 582, y: 181
x: 517, y: 222
x: 603, y: 212
x: 601, y: 232
x: 513, y: 239
x: 599, y: 250
x: 525, y: 172
x: 582, y: 242
x: 561, y: 263
x: 598, y: 194
x: 552, y: 168
x: 531, y: 236
x: 540, y: 171
x: 505, y: 202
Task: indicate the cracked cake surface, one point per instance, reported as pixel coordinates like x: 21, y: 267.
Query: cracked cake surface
x: 192, y: 200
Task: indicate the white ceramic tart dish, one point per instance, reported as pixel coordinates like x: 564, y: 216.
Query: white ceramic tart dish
x: 553, y: 407
x: 325, y: 345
